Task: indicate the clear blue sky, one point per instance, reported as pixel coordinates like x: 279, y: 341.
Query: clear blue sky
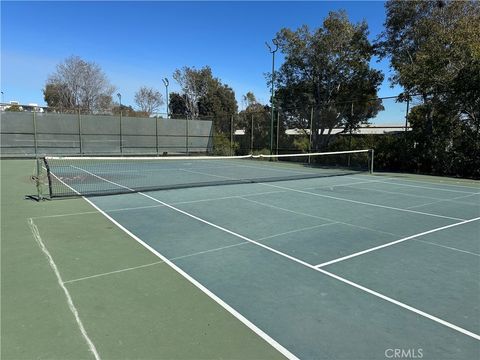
x: 139, y: 43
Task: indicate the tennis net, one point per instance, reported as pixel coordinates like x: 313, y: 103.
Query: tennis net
x: 90, y: 176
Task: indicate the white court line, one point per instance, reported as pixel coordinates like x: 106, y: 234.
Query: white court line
x: 446, y: 200
x: 362, y: 202
x: 209, y: 251
x: 320, y: 217
x: 351, y: 283
x: 391, y: 192
x: 71, y: 306
x: 429, y: 188
x: 243, y: 319
x: 340, y: 185
x: 226, y: 197
x: 388, y: 178
x: 151, y: 264
x: 447, y: 247
x: 394, y: 242
x: 63, y: 215
x: 189, y: 255
x: 205, y: 290
x: 101, y: 178
x: 155, y: 206
x: 328, y: 196
x: 348, y: 224
x: 435, y: 183
x: 437, y: 200
x: 297, y: 230
x: 112, y: 272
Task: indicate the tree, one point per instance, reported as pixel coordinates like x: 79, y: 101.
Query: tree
x: 194, y: 85
x: 255, y: 119
x: 326, y: 69
x: 205, y: 95
x: 429, y: 44
x: 57, y: 96
x: 126, y: 110
x: 435, y: 52
x: 148, y: 100
x: 14, y: 108
x: 77, y: 83
x: 177, y: 106
x: 218, y: 103
x: 249, y: 99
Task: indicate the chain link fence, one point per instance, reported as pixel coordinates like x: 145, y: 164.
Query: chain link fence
x: 43, y: 133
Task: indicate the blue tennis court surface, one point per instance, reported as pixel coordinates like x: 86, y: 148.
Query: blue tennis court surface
x: 348, y: 267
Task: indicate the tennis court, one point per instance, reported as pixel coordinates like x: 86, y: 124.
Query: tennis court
x: 354, y: 266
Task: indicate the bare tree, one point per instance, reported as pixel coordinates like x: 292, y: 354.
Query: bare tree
x: 148, y: 100
x: 194, y: 84
x: 77, y: 83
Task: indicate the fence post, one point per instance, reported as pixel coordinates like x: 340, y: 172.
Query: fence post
x: 80, y: 138
x: 371, y: 161
x: 156, y: 134
x: 121, y: 136
x: 231, y: 135
x: 251, y: 137
x: 186, y: 135
x: 278, y: 129
x: 35, y: 144
x: 311, y: 134
x: 405, y: 134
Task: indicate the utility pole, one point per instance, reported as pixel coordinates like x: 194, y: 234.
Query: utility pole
x: 272, y: 51
x: 165, y: 82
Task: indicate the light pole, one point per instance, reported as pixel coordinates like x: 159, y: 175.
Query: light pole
x: 121, y: 140
x: 165, y: 82
x: 272, y: 51
x: 2, y: 97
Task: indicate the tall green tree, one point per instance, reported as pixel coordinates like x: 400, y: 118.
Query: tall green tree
x: 194, y: 85
x: 324, y: 68
x: 255, y: 120
x: 434, y: 48
x: 206, y: 96
x: 57, y: 96
x: 177, y: 106
x: 218, y: 103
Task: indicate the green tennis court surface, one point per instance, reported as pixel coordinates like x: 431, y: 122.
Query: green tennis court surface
x: 339, y: 267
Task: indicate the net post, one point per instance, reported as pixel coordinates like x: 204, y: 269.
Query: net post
x: 371, y: 153
x: 49, y: 177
